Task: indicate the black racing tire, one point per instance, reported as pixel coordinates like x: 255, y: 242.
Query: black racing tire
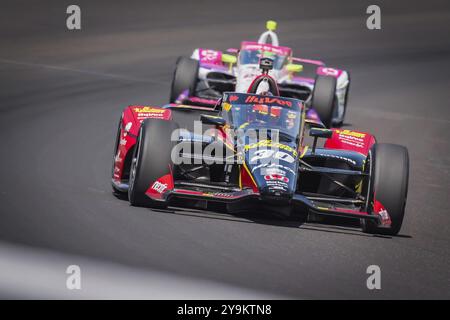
x: 184, y: 77
x: 389, y: 184
x: 116, y: 191
x: 151, y: 160
x: 324, y: 98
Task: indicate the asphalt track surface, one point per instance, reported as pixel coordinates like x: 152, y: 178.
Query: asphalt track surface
x: 61, y: 94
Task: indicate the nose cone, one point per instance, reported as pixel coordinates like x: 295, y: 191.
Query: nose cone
x: 276, y: 182
x: 273, y: 167
x: 277, y: 188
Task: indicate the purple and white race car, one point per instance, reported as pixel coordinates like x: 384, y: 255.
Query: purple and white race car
x: 202, y: 78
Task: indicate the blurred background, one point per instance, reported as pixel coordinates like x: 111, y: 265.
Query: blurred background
x: 61, y: 94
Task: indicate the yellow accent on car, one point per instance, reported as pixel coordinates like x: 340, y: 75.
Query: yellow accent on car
x: 271, y: 25
x: 240, y: 180
x: 351, y: 133
x: 242, y: 126
x: 269, y: 143
x: 305, y: 149
x: 146, y: 109
x: 358, y: 187
x: 226, y: 106
x: 228, y: 58
x: 294, y: 67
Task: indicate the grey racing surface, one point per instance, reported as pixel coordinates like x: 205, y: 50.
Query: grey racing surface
x: 62, y: 92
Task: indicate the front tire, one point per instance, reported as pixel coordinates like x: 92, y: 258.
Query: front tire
x: 184, y: 77
x: 151, y: 160
x: 324, y: 98
x: 389, y: 185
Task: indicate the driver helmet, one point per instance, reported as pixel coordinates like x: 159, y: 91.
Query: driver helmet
x: 264, y: 88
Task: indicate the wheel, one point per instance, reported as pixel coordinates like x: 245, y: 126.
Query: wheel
x: 151, y: 160
x: 324, y: 98
x: 116, y: 191
x: 184, y: 77
x: 388, y: 185
x: 338, y: 119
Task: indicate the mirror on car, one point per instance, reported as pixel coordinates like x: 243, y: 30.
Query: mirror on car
x: 320, y: 133
x: 294, y: 67
x: 213, y: 120
x: 314, y: 123
x: 228, y: 58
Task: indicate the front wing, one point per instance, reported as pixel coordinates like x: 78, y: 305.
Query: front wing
x: 248, y: 194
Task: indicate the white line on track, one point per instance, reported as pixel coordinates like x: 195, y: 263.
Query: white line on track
x: 34, y: 273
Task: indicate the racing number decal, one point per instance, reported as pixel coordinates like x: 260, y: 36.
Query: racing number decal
x: 261, y: 154
x: 210, y: 56
x: 284, y: 156
x: 266, y: 153
x: 326, y: 71
x: 330, y: 71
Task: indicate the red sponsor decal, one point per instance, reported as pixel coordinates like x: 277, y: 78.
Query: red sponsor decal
x: 278, y: 177
x: 350, y: 140
x: 210, y: 56
x: 159, y: 187
x: 267, y: 100
x: 380, y: 210
x: 145, y: 112
x: 233, y: 98
x: 329, y: 72
x: 263, y: 109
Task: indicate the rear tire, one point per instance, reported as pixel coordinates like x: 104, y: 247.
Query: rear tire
x: 151, y: 160
x: 390, y: 175
x: 324, y: 98
x: 184, y: 77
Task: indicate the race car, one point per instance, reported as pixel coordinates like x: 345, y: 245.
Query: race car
x: 202, y: 78
x: 248, y: 154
